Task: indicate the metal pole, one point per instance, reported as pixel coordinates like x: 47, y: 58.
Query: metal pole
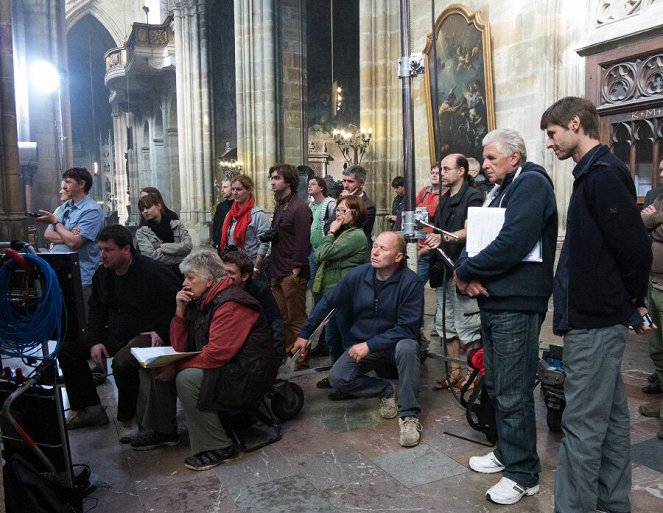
x: 405, y: 74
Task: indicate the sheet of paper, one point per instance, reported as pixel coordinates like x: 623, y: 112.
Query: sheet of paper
x: 483, y: 227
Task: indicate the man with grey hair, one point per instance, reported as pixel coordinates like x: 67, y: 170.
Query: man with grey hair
x: 354, y: 179
x: 512, y: 286
x: 479, y: 181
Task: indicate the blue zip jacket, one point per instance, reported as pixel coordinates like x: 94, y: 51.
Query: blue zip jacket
x: 530, y: 216
x: 381, y: 321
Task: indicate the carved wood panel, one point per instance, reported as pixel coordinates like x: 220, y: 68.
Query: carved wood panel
x: 625, y: 80
x: 638, y: 140
x: 640, y: 79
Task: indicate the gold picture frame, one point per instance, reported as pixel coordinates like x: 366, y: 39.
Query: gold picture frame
x: 459, y: 84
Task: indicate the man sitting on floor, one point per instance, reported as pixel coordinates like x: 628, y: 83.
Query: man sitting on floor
x: 388, y: 301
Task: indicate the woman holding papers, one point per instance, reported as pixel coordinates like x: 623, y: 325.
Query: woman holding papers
x: 342, y: 249
x: 235, y: 368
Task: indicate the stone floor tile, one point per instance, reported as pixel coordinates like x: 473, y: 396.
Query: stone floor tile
x: 418, y: 465
x: 205, y: 494
x: 646, y: 489
x: 286, y: 495
x: 262, y: 465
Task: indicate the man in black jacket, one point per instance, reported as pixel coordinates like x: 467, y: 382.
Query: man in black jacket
x: 600, y: 285
x: 239, y: 267
x: 132, y: 302
x: 512, y: 279
x: 221, y: 212
x: 461, y: 313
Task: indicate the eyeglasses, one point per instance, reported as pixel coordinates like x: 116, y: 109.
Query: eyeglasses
x: 447, y: 169
x: 343, y: 211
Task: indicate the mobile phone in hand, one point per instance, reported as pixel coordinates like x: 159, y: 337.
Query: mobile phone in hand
x: 34, y: 214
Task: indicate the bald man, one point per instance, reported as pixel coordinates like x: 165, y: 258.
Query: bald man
x: 387, y: 299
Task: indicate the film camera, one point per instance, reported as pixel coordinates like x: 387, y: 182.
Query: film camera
x: 271, y: 235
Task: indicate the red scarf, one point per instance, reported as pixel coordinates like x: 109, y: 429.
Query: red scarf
x: 242, y: 216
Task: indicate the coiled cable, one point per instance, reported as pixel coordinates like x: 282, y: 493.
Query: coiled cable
x: 30, y: 319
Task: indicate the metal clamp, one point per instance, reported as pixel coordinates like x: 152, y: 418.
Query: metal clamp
x: 411, y: 66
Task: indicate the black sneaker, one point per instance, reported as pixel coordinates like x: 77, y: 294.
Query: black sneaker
x: 337, y: 395
x: 148, y: 440
x: 209, y: 459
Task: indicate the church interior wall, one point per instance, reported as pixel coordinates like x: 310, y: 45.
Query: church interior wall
x: 259, y: 101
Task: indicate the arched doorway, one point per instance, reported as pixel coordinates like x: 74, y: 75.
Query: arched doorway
x: 91, y: 121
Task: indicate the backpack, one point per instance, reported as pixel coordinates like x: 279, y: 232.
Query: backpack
x: 31, y: 492
x: 327, y: 217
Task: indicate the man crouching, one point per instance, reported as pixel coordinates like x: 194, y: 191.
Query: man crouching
x: 387, y: 299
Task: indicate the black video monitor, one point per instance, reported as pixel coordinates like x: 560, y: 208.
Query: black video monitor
x: 67, y: 269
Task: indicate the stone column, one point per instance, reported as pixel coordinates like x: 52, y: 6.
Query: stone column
x: 291, y: 73
x: 380, y: 98
x: 119, y: 183
x: 12, y: 224
x: 562, y: 73
x: 193, y: 113
x: 256, y: 92
x: 41, y: 35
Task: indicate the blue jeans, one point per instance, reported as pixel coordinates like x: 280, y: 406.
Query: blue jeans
x: 594, y: 469
x: 511, y: 354
x: 313, y: 265
x: 349, y: 376
x: 337, y: 333
x: 422, y: 268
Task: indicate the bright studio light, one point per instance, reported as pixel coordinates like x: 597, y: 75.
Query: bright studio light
x: 45, y: 77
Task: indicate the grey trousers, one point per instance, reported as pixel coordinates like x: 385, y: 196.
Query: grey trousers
x: 206, y: 433
x: 656, y: 336
x: 158, y: 412
x: 349, y: 376
x: 594, y: 469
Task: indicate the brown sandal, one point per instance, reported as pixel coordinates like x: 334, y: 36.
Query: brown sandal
x: 458, y: 387
x: 455, y: 376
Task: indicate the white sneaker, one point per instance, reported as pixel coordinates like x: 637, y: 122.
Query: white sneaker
x: 487, y: 464
x: 128, y: 430
x: 388, y: 407
x: 410, y: 431
x: 507, y: 491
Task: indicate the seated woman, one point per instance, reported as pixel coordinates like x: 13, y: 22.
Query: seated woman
x: 234, y: 370
x: 160, y: 237
x: 245, y: 223
x: 153, y: 191
x: 342, y: 249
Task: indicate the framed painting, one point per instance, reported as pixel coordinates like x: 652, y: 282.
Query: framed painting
x: 459, y: 84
